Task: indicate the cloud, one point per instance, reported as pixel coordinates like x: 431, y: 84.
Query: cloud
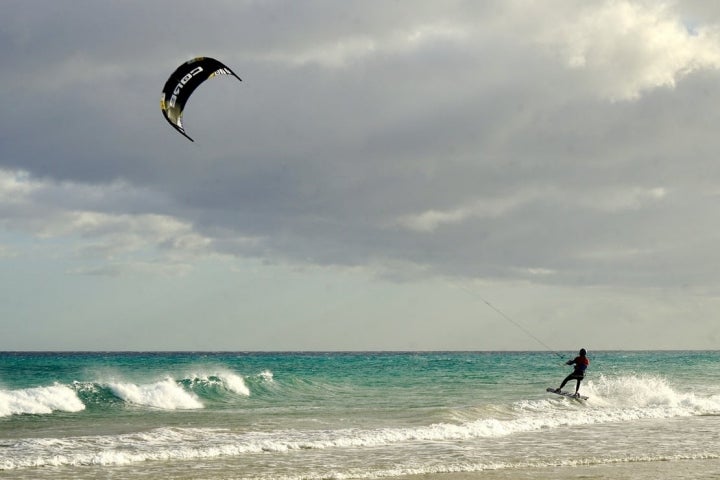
x: 626, y: 48
x: 496, y: 139
x: 541, y: 150
x: 608, y: 200
x: 7, y: 251
x: 430, y: 220
x: 344, y: 51
x: 47, y: 210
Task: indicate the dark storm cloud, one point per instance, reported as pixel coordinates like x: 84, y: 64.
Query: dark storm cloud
x: 480, y: 140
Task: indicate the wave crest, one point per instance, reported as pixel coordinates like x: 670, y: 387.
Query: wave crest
x: 39, y: 400
x: 166, y: 394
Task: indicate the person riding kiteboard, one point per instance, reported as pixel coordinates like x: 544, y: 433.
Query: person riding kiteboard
x: 581, y: 363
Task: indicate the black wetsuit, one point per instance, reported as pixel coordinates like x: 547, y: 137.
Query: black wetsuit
x: 581, y: 363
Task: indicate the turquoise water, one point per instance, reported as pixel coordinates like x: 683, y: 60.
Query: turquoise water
x: 353, y: 415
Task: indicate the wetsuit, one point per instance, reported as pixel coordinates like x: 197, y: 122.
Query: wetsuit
x: 581, y: 363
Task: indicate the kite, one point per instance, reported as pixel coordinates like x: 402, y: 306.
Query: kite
x: 183, y: 82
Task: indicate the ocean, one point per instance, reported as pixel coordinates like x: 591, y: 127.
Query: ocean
x: 409, y: 415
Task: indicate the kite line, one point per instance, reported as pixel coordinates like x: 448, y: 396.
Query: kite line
x: 507, y: 317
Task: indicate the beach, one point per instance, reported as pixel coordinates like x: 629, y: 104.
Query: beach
x: 696, y: 469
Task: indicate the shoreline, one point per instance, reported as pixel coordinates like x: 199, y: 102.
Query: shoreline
x: 690, y: 469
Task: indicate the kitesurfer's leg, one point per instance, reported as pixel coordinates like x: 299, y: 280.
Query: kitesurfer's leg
x: 567, y: 379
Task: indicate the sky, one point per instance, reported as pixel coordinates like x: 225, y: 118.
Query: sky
x: 389, y: 175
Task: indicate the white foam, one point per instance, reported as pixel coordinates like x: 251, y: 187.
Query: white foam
x: 228, y: 380
x: 235, y: 383
x: 190, y: 444
x: 651, y: 394
x: 39, y: 400
x: 165, y: 394
x: 432, y: 469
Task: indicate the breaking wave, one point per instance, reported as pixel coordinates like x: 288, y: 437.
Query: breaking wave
x: 188, y: 393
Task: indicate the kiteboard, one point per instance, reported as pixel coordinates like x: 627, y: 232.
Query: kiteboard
x: 567, y: 394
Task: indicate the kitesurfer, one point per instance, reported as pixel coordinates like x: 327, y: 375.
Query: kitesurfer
x: 581, y: 363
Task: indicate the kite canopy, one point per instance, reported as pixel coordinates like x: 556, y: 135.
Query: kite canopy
x: 183, y: 82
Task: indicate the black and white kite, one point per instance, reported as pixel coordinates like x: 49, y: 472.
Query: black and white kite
x: 183, y: 82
